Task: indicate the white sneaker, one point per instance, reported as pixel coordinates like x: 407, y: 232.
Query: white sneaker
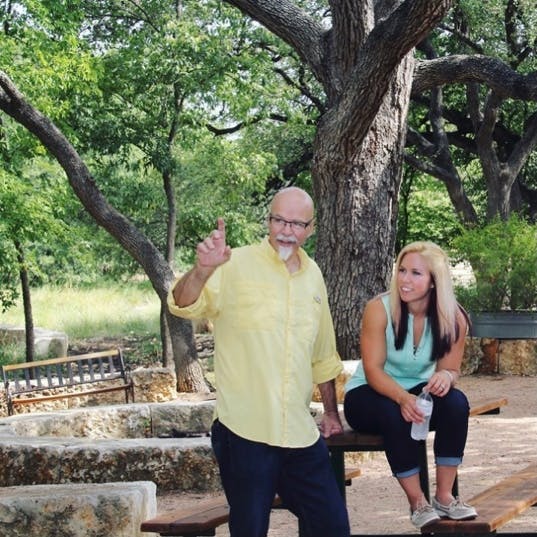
x: 456, y: 510
x: 423, y: 515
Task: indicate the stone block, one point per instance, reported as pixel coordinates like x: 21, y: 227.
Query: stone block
x: 518, y: 357
x: 489, y: 360
x: 171, y: 463
x: 77, y: 510
x: 113, y: 421
x: 154, y: 385
x: 48, y: 343
x: 167, y: 419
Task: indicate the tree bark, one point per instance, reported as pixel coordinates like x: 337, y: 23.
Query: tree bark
x: 29, y: 332
x: 364, y: 63
x: 357, y: 195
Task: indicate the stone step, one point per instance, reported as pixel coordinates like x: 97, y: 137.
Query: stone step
x: 77, y: 510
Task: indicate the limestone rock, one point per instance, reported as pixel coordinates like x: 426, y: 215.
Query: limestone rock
x: 490, y: 356
x: 518, y: 357
x: 175, y: 418
x: 81, y: 510
x: 154, y: 385
x: 48, y: 343
x: 170, y: 463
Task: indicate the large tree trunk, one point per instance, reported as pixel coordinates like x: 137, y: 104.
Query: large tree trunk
x: 364, y: 63
x: 356, y: 192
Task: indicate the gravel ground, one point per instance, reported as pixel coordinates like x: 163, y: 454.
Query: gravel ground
x: 497, y: 446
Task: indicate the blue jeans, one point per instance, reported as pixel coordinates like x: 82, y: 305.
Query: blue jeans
x: 367, y: 411
x: 253, y: 472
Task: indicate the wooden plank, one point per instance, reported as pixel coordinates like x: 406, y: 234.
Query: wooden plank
x: 351, y: 473
x: 495, y: 506
x: 355, y: 441
x: 61, y: 360
x: 491, y: 405
x: 162, y: 523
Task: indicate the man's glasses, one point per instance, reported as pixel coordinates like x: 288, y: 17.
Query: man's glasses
x: 295, y: 225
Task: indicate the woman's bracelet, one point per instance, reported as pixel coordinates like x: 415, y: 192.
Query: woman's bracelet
x: 450, y: 375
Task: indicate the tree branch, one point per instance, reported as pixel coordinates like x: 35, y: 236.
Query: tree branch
x: 483, y: 69
x: 291, y: 24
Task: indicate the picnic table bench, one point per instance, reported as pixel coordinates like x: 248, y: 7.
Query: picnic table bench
x: 208, y: 515
x: 46, y: 380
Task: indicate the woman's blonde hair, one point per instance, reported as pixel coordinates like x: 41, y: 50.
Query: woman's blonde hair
x: 443, y: 306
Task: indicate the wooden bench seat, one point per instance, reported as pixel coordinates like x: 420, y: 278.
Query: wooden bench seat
x: 495, y: 506
x: 205, y: 516
x: 81, y: 374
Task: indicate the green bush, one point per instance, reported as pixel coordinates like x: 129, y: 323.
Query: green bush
x: 503, y: 256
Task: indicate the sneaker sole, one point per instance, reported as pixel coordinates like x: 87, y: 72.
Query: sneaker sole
x: 443, y: 515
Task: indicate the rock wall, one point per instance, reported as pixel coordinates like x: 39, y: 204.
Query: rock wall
x: 165, y: 443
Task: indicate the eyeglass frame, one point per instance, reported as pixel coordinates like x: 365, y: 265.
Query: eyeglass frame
x: 295, y: 225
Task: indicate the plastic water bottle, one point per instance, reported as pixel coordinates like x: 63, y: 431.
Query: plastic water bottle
x: 424, y: 402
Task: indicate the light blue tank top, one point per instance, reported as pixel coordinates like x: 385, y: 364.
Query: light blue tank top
x: 406, y: 366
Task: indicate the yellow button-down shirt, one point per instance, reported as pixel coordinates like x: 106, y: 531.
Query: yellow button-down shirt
x: 274, y: 339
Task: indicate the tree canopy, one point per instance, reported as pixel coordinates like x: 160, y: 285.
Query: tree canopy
x: 163, y: 114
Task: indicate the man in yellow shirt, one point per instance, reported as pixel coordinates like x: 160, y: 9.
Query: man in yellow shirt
x: 274, y: 339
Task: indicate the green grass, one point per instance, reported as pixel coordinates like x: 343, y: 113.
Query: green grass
x: 110, y: 310
x: 123, y: 311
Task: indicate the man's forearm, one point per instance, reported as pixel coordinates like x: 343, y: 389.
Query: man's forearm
x: 188, y: 289
x: 328, y: 395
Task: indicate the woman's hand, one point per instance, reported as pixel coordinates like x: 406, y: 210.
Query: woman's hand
x: 440, y: 383
x: 409, y: 410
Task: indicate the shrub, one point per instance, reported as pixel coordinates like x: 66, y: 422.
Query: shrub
x: 503, y: 256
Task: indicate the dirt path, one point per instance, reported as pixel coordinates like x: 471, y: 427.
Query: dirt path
x: 497, y: 446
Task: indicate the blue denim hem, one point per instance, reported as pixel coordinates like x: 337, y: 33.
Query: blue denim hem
x: 448, y: 461
x: 407, y: 473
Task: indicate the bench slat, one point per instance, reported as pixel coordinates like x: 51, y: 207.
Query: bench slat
x: 491, y: 405
x: 496, y: 505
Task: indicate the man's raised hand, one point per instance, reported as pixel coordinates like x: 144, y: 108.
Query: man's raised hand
x: 213, y: 251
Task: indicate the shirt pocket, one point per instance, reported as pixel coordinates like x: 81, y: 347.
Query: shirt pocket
x: 307, y: 317
x: 256, y: 307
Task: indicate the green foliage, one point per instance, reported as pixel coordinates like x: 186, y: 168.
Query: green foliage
x: 425, y: 211
x: 503, y: 256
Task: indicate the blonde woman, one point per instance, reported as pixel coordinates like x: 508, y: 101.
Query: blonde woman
x: 413, y: 337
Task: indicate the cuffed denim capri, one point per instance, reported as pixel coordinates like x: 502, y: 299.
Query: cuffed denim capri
x: 367, y: 411
x: 253, y: 472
